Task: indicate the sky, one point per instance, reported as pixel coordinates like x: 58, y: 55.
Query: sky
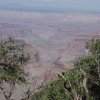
x: 51, y: 5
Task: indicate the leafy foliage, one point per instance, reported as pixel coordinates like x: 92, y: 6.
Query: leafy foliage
x: 12, y: 59
x: 81, y: 83
x: 54, y: 91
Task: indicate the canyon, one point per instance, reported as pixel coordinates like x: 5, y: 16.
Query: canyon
x: 53, y: 40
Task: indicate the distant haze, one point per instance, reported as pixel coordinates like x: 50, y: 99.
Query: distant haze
x: 51, y: 5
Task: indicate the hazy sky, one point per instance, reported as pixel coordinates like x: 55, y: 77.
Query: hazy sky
x: 59, y: 5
